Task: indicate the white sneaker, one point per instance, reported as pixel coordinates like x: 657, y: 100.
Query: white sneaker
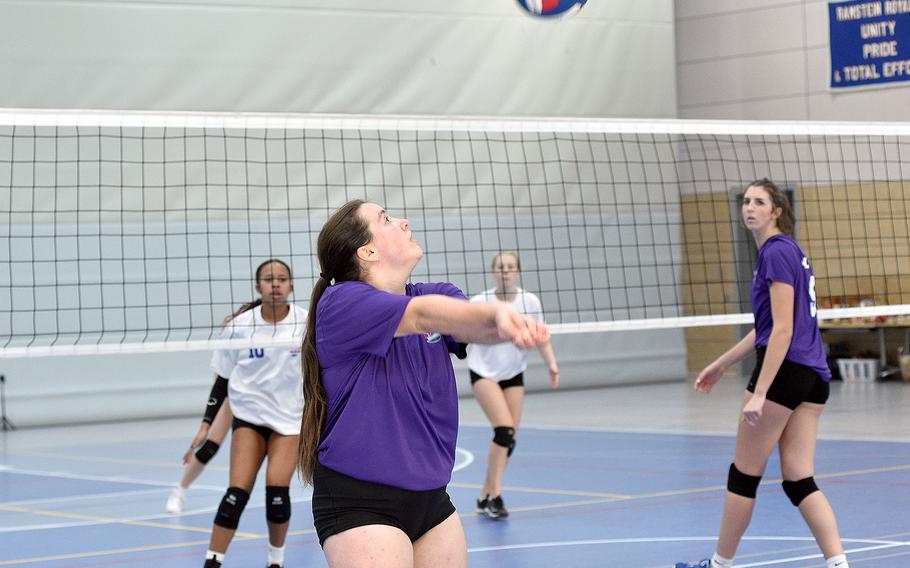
x: 175, y: 502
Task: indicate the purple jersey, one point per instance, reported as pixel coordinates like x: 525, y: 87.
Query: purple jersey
x: 781, y: 260
x: 392, y: 413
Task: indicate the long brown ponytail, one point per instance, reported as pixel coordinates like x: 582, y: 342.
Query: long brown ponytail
x: 336, y: 249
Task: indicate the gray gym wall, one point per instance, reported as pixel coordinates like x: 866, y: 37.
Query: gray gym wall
x: 768, y: 60
x: 749, y: 59
x: 470, y: 57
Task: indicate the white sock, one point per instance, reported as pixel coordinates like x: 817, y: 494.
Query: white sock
x: 718, y: 561
x: 219, y: 556
x: 276, y: 555
x: 839, y: 561
x: 181, y: 490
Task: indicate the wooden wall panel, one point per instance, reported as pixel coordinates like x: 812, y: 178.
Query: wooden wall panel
x: 857, y: 237
x: 708, y: 279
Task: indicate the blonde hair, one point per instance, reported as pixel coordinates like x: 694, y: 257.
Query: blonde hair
x: 500, y: 254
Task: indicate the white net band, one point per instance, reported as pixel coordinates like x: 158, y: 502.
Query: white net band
x: 141, y: 231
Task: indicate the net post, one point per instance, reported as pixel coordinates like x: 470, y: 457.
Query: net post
x: 5, y: 423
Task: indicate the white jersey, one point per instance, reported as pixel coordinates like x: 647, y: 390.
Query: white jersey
x: 265, y: 384
x: 502, y: 361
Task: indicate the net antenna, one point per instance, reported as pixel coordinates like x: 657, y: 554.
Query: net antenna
x: 140, y: 232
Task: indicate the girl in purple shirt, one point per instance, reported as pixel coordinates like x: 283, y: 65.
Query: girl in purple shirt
x: 380, y: 420
x: 789, y: 385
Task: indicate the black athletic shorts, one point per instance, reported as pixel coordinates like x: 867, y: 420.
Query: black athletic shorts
x: 341, y: 503
x: 263, y: 431
x: 793, y: 385
x: 516, y: 381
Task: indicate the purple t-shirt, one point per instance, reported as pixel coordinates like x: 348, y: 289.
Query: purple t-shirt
x: 392, y: 414
x: 781, y: 260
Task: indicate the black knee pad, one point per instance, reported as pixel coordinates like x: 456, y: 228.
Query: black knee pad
x: 742, y: 484
x: 232, y: 505
x: 277, y: 504
x: 799, y: 490
x: 504, y: 436
x: 207, y: 451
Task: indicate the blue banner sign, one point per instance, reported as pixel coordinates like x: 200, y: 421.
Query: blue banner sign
x: 870, y: 42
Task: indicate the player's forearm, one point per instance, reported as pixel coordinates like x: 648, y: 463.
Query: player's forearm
x: 466, y: 322
x: 546, y: 353
x: 778, y: 345
x: 738, y: 352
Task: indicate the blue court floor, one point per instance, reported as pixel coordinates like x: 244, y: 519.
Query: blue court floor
x: 580, y: 495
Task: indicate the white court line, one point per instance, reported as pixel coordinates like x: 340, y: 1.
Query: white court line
x: 75, y: 524
x: 103, y: 478
x: 88, y: 497
x: 161, y: 487
x: 879, y: 545
x: 468, y: 459
x: 722, y: 432
x: 114, y: 521
x: 463, y: 459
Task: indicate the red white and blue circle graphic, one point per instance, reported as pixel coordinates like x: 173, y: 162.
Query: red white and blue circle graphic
x: 552, y: 8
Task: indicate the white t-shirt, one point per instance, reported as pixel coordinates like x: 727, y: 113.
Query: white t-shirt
x: 502, y: 361
x: 265, y: 384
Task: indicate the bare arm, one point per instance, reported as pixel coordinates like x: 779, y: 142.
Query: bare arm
x: 743, y: 348
x: 778, y: 345
x: 713, y: 372
x: 546, y: 352
x: 471, y: 323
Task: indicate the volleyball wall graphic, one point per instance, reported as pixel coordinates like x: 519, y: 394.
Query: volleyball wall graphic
x: 552, y: 8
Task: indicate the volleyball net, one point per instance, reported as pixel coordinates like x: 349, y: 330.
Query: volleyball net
x: 124, y: 232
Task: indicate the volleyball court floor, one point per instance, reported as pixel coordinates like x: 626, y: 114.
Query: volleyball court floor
x: 613, y: 477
